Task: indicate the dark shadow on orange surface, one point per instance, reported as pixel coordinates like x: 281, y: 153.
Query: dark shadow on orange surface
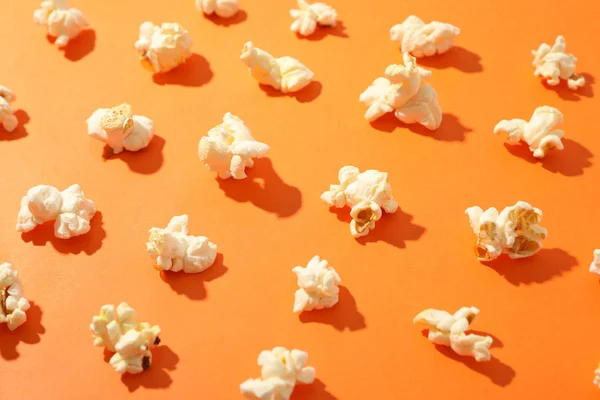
x: 265, y: 189
x: 145, y: 161
x: 314, y: 391
x: 157, y: 376
x: 344, y: 315
x: 194, y: 72
x: 450, y: 130
x: 20, y: 131
x: 194, y: 285
x: 81, y: 46
x: 238, y: 18
x: 107, y: 355
x: 571, y: 161
x: 339, y: 30
x: 28, y: 333
x: 88, y: 243
x: 306, y: 95
x: 457, y: 57
x: 563, y: 91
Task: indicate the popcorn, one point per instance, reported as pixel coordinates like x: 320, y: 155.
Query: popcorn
x: 514, y: 231
x: 120, y: 129
x: 366, y: 193
x: 223, y: 8
x: 538, y: 132
x: 63, y: 22
x: 71, y: 210
x: 7, y: 117
x: 284, y: 73
x: 118, y: 331
x: 12, y: 302
x: 553, y: 64
x: 595, y: 265
x: 423, y: 40
x: 175, y: 250
x: 164, y: 47
x: 318, y: 284
x: 449, y: 330
x: 309, y: 15
x: 403, y: 91
x: 281, y: 370
x: 597, y: 378
x: 230, y: 148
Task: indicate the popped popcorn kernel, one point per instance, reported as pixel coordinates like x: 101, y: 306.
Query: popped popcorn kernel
x: 7, y: 118
x: 222, y: 8
x: 553, y: 64
x: 64, y: 23
x: 595, y: 265
x: 163, y: 47
x: 319, y: 286
x: 308, y: 16
x: 421, y: 39
x: 13, y: 303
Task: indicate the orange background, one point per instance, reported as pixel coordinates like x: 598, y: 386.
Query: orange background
x: 541, y: 311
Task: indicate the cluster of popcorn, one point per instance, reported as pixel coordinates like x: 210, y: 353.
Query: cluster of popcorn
x: 12, y: 302
x: 163, y: 47
x: 421, y: 39
x: 553, y: 64
x: 64, y: 23
x: 222, y: 8
x: 319, y: 286
x: 7, y: 118
x: 308, y: 16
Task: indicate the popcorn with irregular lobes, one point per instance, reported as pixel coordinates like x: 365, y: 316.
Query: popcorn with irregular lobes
x: 223, y: 8
x: 402, y: 90
x: 63, y: 22
x: 163, y: 47
x: 553, y: 64
x: 319, y: 286
x: 69, y: 208
x: 230, y: 148
x: 12, y: 302
x: 597, y: 377
x: 281, y: 370
x: 7, y: 114
x: 515, y: 231
x: 117, y: 329
x: 366, y: 193
x: 308, y: 16
x: 284, y: 73
x: 174, y: 250
x: 423, y: 40
x: 538, y: 133
x: 449, y: 330
x: 595, y: 265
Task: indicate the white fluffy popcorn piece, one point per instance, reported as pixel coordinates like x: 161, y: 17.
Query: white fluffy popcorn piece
x: 163, y: 47
x: 174, y: 250
x: 449, y: 330
x: 120, y: 129
x: 12, y: 302
x: 281, y: 370
x: 366, y: 193
x: 64, y: 23
x: 514, y: 231
x: 223, y: 8
x: 7, y: 118
x: 595, y: 265
x: 403, y: 90
x: 319, y: 286
x: 538, y: 133
x: 117, y: 329
x: 308, y: 16
x: 553, y: 64
x: 421, y: 39
x: 597, y: 377
x: 71, y: 210
x: 284, y: 73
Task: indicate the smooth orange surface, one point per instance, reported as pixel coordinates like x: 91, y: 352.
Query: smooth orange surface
x: 541, y: 311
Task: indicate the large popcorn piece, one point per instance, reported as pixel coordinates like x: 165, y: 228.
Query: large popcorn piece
x: 63, y: 22
x: 449, y: 330
x: 539, y: 132
x: 514, y: 231
x: 595, y: 265
x: 366, y: 194
x: 284, y: 73
x: 319, y: 286
x: 553, y: 64
x: 175, y: 250
x: 223, y: 8
x: 402, y: 90
x: 117, y: 329
x: 69, y: 208
x: 230, y: 148
x: 7, y: 117
x: 281, y: 370
x: 421, y: 39
x: 308, y: 16
x: 12, y: 303
x: 120, y: 129
x: 164, y: 47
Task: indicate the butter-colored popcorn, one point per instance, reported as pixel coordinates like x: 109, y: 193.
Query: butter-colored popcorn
x: 117, y: 329
x: 449, y: 330
x: 230, y: 148
x: 12, y: 302
x: 284, y: 73
x: 120, y: 129
x: 515, y: 231
x: 319, y: 286
x: 366, y: 193
x: 595, y: 265
x: 402, y: 90
x: 63, y: 22
x: 69, y: 208
x: 175, y: 250
x: 223, y: 8
x: 308, y: 16
x: 281, y: 370
x: 423, y: 40
x: 163, y: 47
x: 539, y: 132
x: 7, y: 117
x: 553, y: 64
